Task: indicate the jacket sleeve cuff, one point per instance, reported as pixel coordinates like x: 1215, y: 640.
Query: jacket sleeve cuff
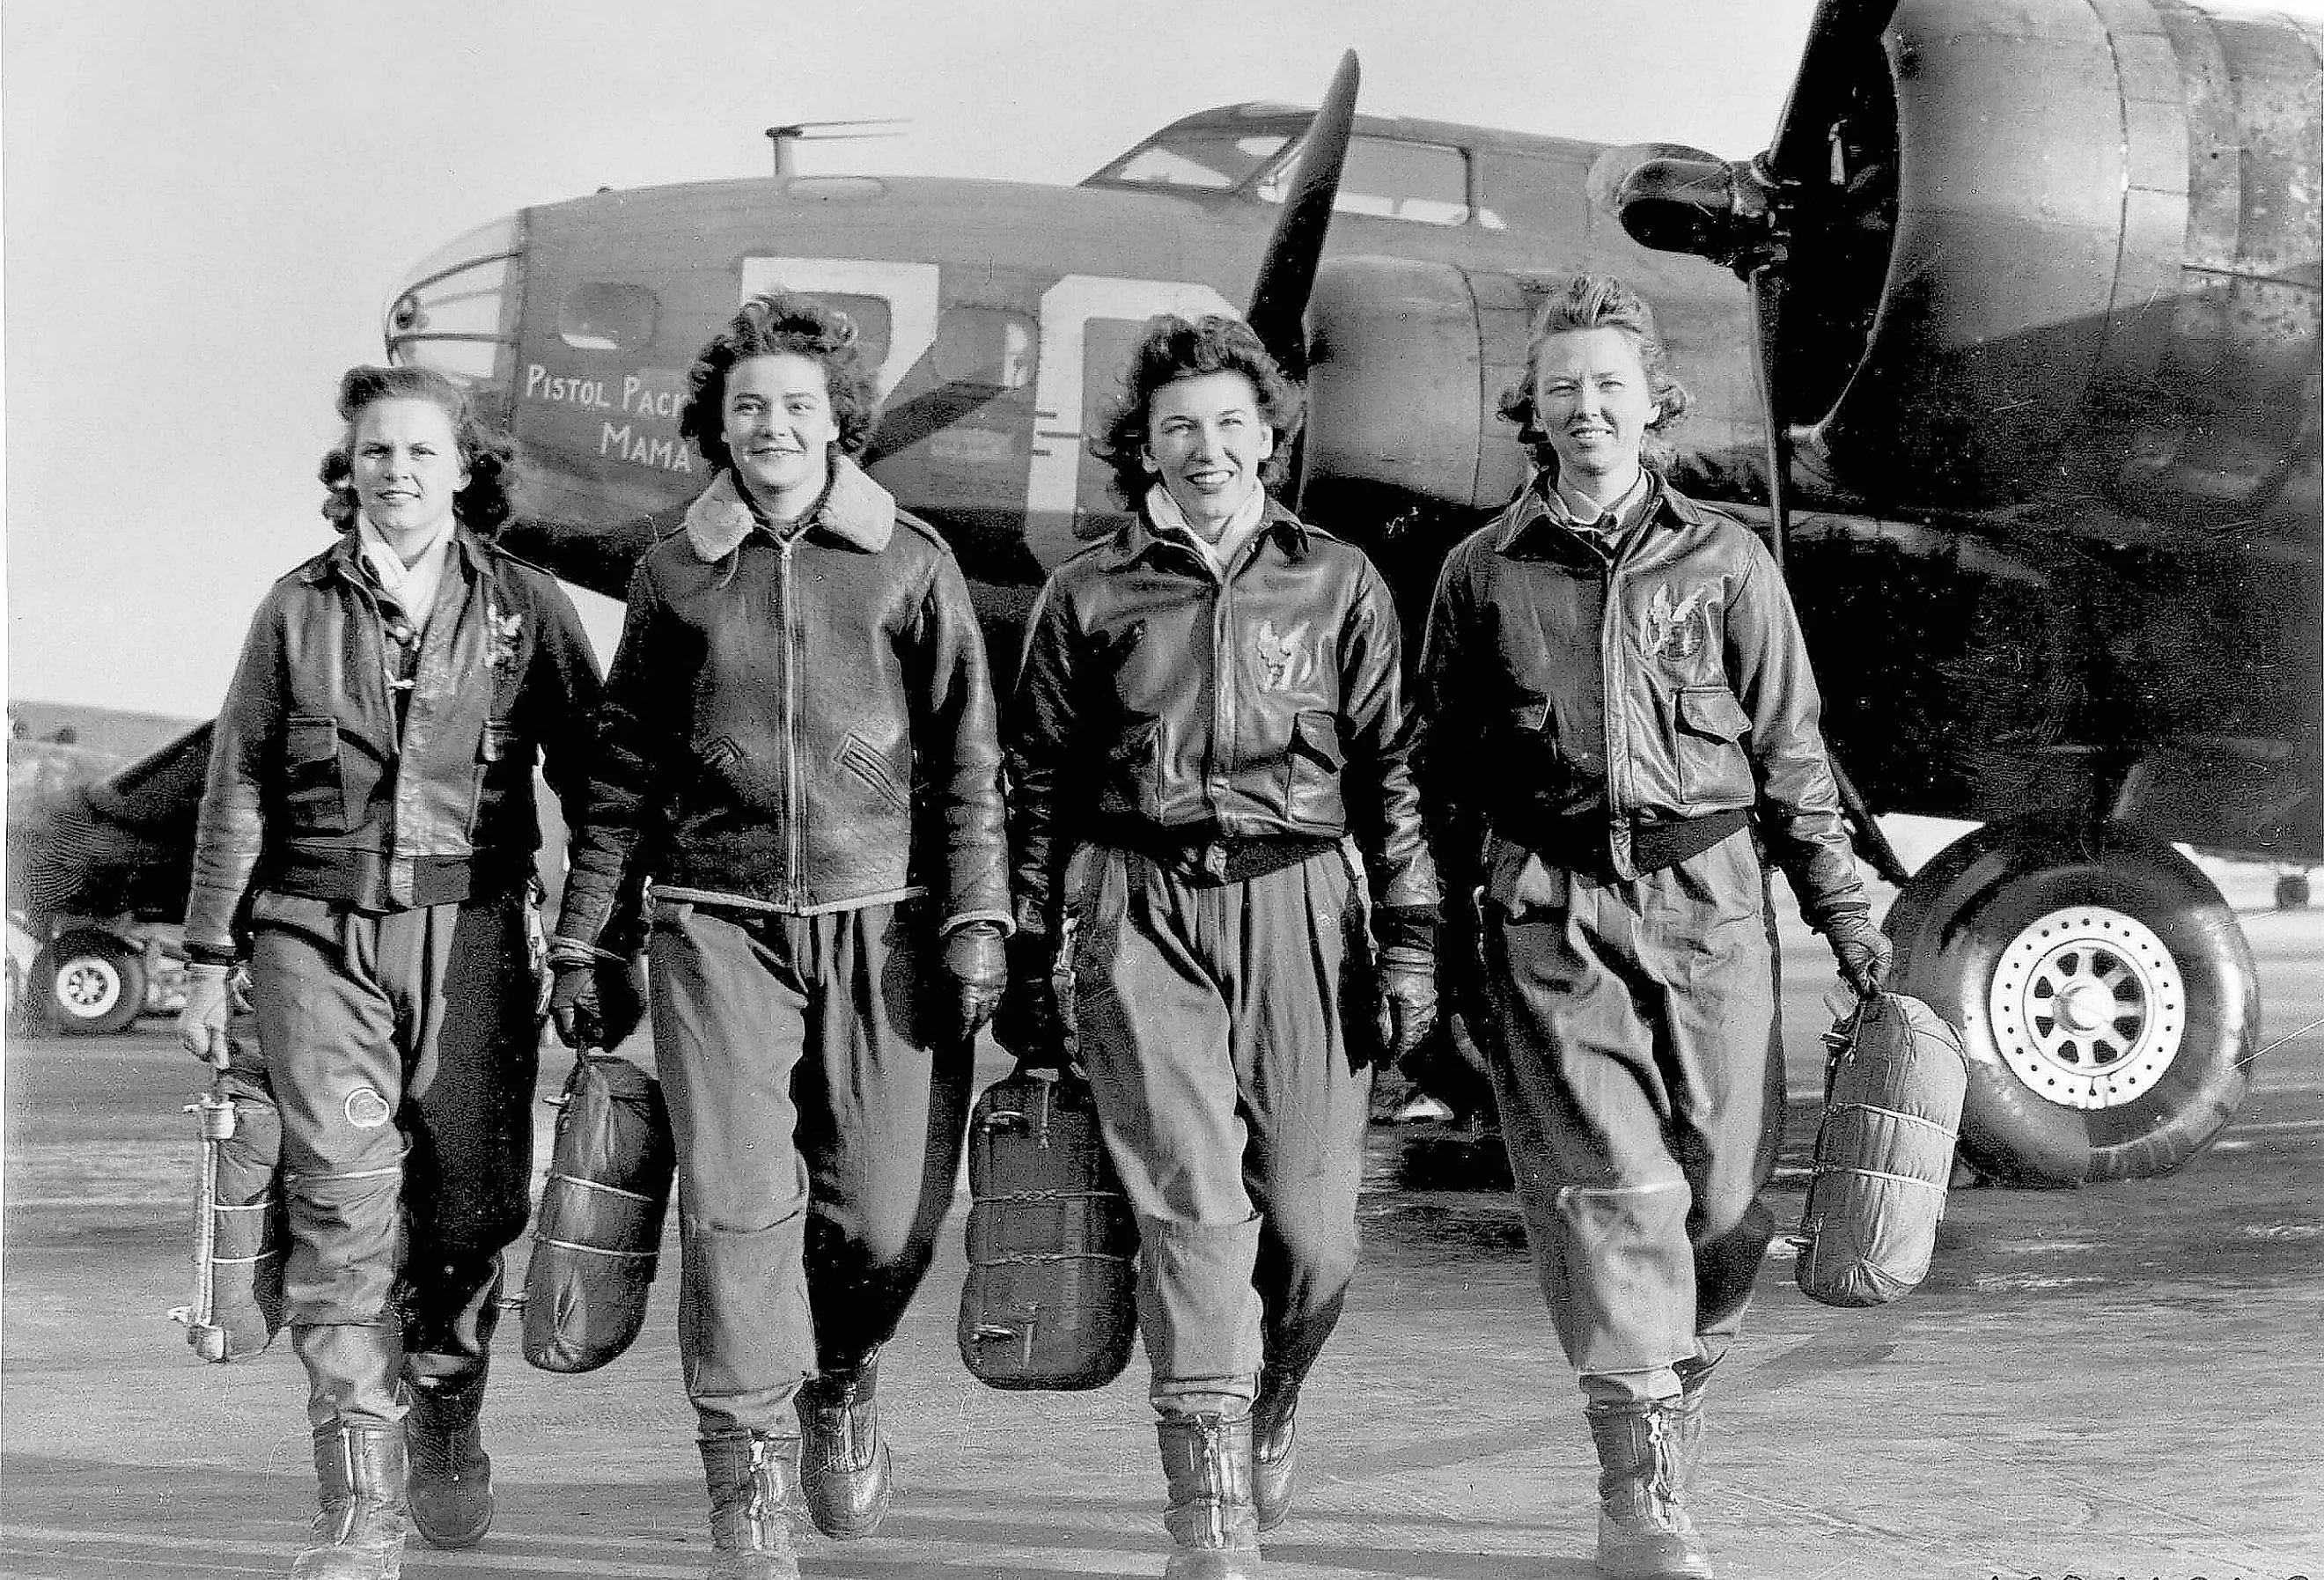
x: 568, y: 951
x: 1406, y: 927
x: 1827, y: 917
x: 999, y: 918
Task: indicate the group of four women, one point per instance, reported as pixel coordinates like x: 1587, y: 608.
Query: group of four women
x: 1211, y: 861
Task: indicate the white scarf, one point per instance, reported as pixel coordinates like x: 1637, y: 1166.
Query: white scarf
x: 1163, y: 511
x: 413, y: 586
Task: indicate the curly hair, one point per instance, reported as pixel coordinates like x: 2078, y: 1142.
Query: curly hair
x: 780, y: 323
x: 483, y: 506
x: 1599, y: 302
x: 1175, y: 349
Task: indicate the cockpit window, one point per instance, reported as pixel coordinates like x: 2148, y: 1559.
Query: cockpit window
x: 1424, y: 183
x: 1211, y: 159
x: 990, y: 346
x: 607, y: 314
x: 452, y: 311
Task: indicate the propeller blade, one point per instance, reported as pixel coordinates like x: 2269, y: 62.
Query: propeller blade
x: 1767, y: 314
x: 1840, y: 32
x: 1279, y: 301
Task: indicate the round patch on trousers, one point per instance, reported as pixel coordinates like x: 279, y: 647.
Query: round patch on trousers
x: 366, y: 1109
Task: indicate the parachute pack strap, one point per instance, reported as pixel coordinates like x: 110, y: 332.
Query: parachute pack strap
x: 1840, y: 1038
x: 582, y: 1058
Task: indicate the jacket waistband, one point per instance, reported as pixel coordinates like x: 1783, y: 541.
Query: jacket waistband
x: 1577, y: 842
x: 1199, y: 854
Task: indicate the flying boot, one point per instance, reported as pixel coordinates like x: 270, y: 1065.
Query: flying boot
x: 1644, y: 1530
x: 750, y: 1475
x: 359, y: 1479
x: 1694, y: 1382
x: 1274, y: 1446
x: 451, y: 1476
x: 1206, y: 1460
x: 842, y: 1458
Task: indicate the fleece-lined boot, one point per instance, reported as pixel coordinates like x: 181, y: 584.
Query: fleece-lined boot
x: 1211, y: 1519
x: 750, y: 1475
x: 1273, y: 1447
x: 842, y: 1458
x: 358, y: 1535
x: 451, y: 1476
x: 1644, y: 1530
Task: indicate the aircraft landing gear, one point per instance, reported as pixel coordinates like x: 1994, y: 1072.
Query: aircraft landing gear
x: 90, y: 982
x: 2105, y: 994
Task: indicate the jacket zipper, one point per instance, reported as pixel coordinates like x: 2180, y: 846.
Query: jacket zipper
x: 1618, y: 744
x: 793, y: 792
x: 1221, y: 694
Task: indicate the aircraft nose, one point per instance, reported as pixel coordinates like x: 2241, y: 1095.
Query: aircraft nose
x: 456, y: 311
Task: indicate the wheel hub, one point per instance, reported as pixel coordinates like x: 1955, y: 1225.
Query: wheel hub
x: 2088, y: 1008
x: 89, y: 988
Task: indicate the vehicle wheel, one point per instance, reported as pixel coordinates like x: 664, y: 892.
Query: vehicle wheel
x: 2291, y: 891
x: 2106, y: 997
x: 94, y: 982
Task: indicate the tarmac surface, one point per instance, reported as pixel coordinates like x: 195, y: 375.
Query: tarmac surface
x: 2117, y: 1382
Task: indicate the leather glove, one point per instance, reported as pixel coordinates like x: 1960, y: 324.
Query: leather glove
x: 1406, y: 937
x: 1862, y: 950
x: 979, y: 964
x: 572, y: 1005
x: 1408, y: 986
x: 1028, y: 1024
x: 201, y: 1024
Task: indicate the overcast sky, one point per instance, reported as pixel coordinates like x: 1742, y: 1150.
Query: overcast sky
x: 206, y: 204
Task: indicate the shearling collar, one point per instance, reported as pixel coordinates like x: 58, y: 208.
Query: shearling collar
x: 855, y: 510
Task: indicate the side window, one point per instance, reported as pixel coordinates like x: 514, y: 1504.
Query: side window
x: 991, y: 347
x: 1523, y: 191
x: 1424, y: 183
x: 608, y: 315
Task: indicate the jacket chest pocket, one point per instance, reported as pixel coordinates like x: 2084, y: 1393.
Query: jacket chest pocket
x: 314, y: 787
x: 1310, y: 785
x: 495, y: 766
x: 1711, y: 764
x: 1131, y: 783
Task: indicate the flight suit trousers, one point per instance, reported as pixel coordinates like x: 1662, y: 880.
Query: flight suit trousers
x: 818, y: 1094
x: 402, y: 1051
x: 1640, y: 1104
x: 1215, y: 1022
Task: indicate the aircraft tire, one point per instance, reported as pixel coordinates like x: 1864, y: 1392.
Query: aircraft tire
x: 2106, y: 997
x: 92, y: 983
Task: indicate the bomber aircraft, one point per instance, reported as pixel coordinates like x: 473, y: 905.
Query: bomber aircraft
x: 2008, y: 340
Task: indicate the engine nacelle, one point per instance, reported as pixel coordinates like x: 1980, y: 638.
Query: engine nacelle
x: 1407, y: 360
x: 2103, y: 276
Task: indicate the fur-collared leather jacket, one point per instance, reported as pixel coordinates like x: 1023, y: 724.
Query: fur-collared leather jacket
x: 1164, y: 708
x: 321, y: 785
x: 805, y: 724
x: 1612, y: 707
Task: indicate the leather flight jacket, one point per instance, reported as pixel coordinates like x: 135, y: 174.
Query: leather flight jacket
x: 363, y: 762
x: 802, y: 723
x: 1222, y: 726
x: 1615, y: 704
